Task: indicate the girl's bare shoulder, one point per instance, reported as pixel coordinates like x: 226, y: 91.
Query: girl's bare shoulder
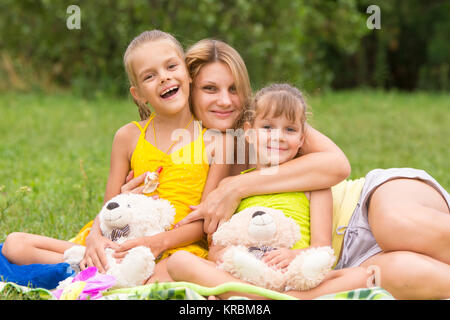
x: 126, y: 137
x: 129, y: 130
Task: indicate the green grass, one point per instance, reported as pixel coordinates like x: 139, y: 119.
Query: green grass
x: 59, y: 145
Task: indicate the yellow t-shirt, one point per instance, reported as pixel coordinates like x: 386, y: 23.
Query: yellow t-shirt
x: 294, y: 205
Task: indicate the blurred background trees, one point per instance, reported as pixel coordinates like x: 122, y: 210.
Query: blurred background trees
x: 316, y: 45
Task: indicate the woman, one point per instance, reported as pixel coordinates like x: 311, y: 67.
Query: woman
x: 399, y: 209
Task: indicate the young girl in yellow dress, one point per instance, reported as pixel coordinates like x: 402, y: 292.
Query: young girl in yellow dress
x: 155, y: 65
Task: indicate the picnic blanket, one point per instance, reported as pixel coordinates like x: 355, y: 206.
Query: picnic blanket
x: 191, y: 291
x: 188, y: 291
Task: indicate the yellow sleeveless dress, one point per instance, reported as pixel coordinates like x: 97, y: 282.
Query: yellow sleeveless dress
x: 181, y: 180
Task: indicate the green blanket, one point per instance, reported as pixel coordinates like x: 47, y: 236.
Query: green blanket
x: 187, y: 291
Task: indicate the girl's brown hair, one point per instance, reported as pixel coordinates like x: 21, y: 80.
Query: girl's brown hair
x: 209, y: 50
x: 144, y: 37
x: 276, y: 100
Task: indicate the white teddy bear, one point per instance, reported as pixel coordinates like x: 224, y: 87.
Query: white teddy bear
x: 125, y: 217
x: 255, y: 230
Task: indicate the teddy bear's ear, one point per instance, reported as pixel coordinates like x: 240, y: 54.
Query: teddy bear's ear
x: 234, y: 231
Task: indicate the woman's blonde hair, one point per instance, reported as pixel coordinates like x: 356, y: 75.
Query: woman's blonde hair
x: 144, y: 37
x: 208, y: 51
x: 278, y: 99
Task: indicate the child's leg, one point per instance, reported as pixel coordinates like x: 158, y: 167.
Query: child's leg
x: 336, y: 281
x: 25, y: 248
x: 184, y: 266
x: 160, y: 274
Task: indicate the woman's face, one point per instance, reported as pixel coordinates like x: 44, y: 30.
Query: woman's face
x: 214, y: 97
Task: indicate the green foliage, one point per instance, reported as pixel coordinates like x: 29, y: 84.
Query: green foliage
x: 280, y: 41
x: 410, y: 51
x: 312, y: 44
x: 435, y: 73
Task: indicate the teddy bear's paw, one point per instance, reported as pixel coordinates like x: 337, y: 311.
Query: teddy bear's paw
x: 137, y: 266
x: 317, y: 261
x: 73, y: 257
x: 242, y: 264
x: 245, y: 266
x: 309, y: 268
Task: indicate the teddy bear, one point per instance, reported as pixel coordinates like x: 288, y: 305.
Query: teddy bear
x: 256, y: 230
x: 125, y: 217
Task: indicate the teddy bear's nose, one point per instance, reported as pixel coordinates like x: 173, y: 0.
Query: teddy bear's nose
x: 258, y: 213
x: 112, y: 205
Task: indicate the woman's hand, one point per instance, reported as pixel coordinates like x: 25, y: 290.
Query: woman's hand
x: 133, y: 185
x: 218, y: 206
x: 95, y: 255
x: 279, y: 258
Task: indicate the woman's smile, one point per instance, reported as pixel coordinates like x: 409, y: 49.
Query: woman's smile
x: 223, y: 114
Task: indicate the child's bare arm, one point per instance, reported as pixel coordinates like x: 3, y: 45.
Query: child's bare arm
x: 218, y: 170
x: 321, y: 217
x: 120, y: 163
x: 123, y: 145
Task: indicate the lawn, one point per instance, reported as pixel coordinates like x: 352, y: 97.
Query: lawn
x: 54, y: 149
